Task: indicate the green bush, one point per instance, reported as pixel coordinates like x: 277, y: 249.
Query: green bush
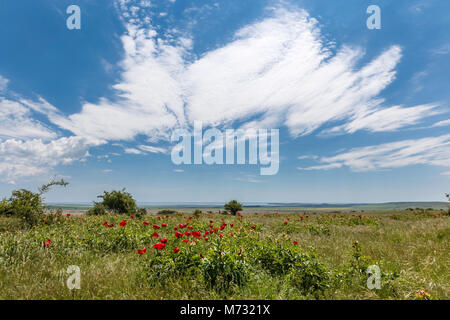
x: 97, y: 210
x: 223, y: 270
x: 118, y: 202
x: 28, y: 205
x: 166, y: 211
x: 233, y: 207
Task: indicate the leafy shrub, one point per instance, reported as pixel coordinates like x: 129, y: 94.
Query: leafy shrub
x: 166, y: 211
x: 310, y: 276
x: 97, y: 210
x: 222, y: 271
x: 118, y: 202
x: 28, y: 205
x: 197, y: 211
x: 233, y: 207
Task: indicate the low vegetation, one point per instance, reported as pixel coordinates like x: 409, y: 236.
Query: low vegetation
x: 204, y: 255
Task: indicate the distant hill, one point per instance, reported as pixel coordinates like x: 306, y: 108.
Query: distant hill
x: 355, y: 206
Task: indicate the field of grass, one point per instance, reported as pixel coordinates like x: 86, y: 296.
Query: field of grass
x: 321, y: 255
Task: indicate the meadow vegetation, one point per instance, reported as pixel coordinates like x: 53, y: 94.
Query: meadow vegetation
x: 134, y: 255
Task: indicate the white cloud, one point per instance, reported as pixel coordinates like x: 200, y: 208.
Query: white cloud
x: 3, y: 83
x: 442, y: 123
x: 133, y: 151
x: 428, y: 151
x: 29, y: 158
x: 178, y: 170
x: 153, y: 149
x: 16, y: 122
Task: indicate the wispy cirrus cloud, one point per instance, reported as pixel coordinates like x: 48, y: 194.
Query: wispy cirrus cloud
x: 277, y: 71
x: 429, y: 151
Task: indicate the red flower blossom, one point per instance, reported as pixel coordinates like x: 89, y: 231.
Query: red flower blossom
x: 187, y: 233
x: 211, y: 221
x: 123, y: 223
x: 175, y: 228
x: 105, y: 224
x: 253, y: 227
x: 201, y: 256
x: 185, y: 240
x: 175, y: 250
x: 163, y: 240
x: 155, y: 226
x: 155, y: 235
x: 111, y: 225
x: 47, y: 244
x: 231, y: 225
x: 159, y: 246
x: 296, y: 242
x: 285, y: 222
x: 45, y: 222
x: 132, y: 217
x: 206, y: 238
x: 141, y: 252
x: 68, y: 214
x: 178, y: 235
x: 223, y: 226
x: 196, y: 234
x: 190, y: 227
x: 164, y: 225
x: 145, y: 223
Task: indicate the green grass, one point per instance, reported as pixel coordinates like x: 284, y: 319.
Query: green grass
x: 411, y: 249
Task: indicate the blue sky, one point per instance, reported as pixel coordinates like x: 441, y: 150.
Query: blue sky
x: 363, y: 114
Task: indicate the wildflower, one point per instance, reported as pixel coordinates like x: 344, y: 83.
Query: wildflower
x: 231, y: 225
x: 190, y: 227
x: 145, y: 223
x: 111, y: 225
x: 164, y: 225
x: 187, y: 233
x: 45, y: 222
x: 211, y: 221
x: 105, y: 224
x: 253, y: 227
x: 131, y: 217
x: 155, y: 226
x: 201, y: 256
x: 163, y: 240
x: 123, y: 223
x: 178, y: 235
x: 68, y: 214
x: 47, y: 244
x: 196, y: 234
x: 423, y: 294
x: 159, y: 246
x: 295, y: 242
x: 285, y: 222
x: 185, y: 240
x: 155, y: 235
x: 141, y: 252
x: 175, y: 250
x: 206, y: 238
x: 221, y: 235
x: 175, y: 228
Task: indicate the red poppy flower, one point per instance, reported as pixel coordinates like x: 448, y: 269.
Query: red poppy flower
x: 187, y: 233
x: 296, y: 242
x: 178, y: 235
x: 185, y: 240
x: 45, y: 222
x: 190, y: 227
x: 141, y: 252
x: 163, y: 240
x: 175, y: 228
x: 223, y: 226
x: 159, y: 246
x: 105, y: 224
x: 47, y: 244
x: 175, y: 250
x: 196, y: 234
x: 132, y: 217
x: 111, y: 225
x: 221, y: 235
x: 285, y: 222
x: 155, y: 226
x: 201, y: 256
x: 253, y: 227
x: 123, y: 223
x: 231, y: 225
x: 155, y: 235
x: 68, y: 214
x: 145, y: 223
x: 211, y: 221
x: 206, y: 238
x: 164, y: 225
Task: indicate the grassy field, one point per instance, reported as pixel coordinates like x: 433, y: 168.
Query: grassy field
x: 321, y: 255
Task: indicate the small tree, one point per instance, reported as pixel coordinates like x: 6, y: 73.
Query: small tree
x: 26, y: 204
x: 115, y: 202
x: 233, y: 207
